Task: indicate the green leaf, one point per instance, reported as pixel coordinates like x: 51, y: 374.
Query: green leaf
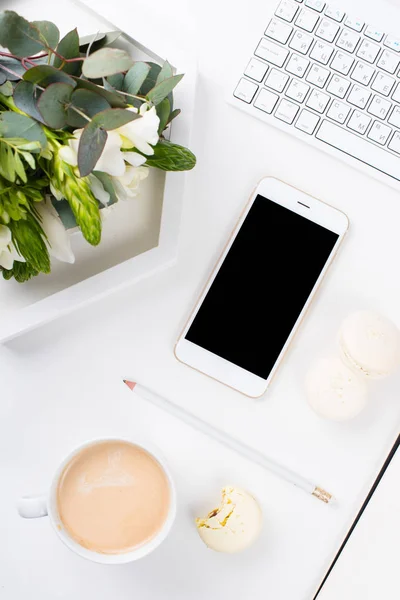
x: 3, y: 77
x: 113, y: 118
x: 161, y: 90
x: 116, y: 81
x: 25, y: 98
x: 7, y: 89
x: 171, y: 157
x: 165, y: 73
x: 18, y: 35
x: 106, y: 61
x: 88, y: 102
x: 21, y: 272
x: 14, y: 125
x: 91, y: 145
x: 49, y: 33
x: 69, y: 48
x: 53, y: 104
x: 45, y: 75
x: 151, y: 79
x: 135, y: 77
x: 163, y: 111
x: 173, y: 115
x: 113, y: 98
x: 108, y: 185
x: 29, y: 159
x: 9, y: 165
x: 99, y: 41
x: 27, y: 236
x: 19, y: 168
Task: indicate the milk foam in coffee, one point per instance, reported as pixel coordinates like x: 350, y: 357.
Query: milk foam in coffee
x: 112, y: 497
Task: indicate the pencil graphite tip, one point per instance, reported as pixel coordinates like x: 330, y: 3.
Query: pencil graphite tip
x: 130, y: 384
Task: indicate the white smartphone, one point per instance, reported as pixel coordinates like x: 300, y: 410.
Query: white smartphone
x: 261, y: 287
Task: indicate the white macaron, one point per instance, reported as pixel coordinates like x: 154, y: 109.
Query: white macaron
x: 334, y: 391
x: 370, y: 344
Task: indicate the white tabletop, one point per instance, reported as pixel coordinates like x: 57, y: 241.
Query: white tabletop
x: 62, y: 384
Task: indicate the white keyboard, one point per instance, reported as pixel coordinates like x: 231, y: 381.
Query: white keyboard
x: 330, y: 79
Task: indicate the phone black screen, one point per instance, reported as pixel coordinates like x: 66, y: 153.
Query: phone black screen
x: 261, y: 287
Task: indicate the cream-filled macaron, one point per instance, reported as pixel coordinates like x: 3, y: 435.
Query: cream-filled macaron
x: 233, y: 526
x: 334, y: 391
x: 370, y: 344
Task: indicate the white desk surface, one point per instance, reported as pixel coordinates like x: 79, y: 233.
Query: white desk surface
x: 61, y: 384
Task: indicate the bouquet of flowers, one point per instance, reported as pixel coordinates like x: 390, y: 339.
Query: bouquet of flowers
x: 80, y: 125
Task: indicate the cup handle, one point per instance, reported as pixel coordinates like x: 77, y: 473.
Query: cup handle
x: 32, y: 507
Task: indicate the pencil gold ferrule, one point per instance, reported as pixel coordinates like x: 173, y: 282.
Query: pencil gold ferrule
x: 322, y: 495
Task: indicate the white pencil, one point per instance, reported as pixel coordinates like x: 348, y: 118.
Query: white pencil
x: 230, y: 442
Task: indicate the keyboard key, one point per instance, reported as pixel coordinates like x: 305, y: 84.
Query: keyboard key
x: 307, y: 19
x: 338, y: 111
x: 278, y: 31
x: 266, y: 101
x: 359, y: 96
x: 327, y: 30
x: 307, y: 121
x: 342, y: 63
x: 287, y: 10
x: 394, y: 118
x: 334, y: 13
x: 396, y: 93
x: 379, y: 133
x: 317, y: 76
x: 374, y: 33
x: 321, y: 52
x: 297, y: 65
x: 256, y: 69
x: 348, y: 40
x: 271, y: 52
x: 318, y: 101
x: 276, y: 80
x: 245, y: 90
x: 359, y: 148
x: 379, y: 107
x: 315, y: 5
x: 286, y: 111
x: 301, y: 41
x: 368, y: 51
x: 297, y: 90
x: 394, y: 143
x: 362, y: 73
x: 338, y: 86
x: 392, y: 42
x: 354, y: 23
x: 383, y: 84
x: 359, y: 122
x: 388, y: 61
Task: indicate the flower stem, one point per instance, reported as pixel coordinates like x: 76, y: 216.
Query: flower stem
x: 80, y: 112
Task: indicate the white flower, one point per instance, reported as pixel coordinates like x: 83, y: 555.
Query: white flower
x: 8, y: 252
x: 143, y: 131
x: 58, y: 241
x: 127, y: 186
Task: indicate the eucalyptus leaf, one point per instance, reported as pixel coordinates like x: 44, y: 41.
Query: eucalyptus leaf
x: 53, y: 104
x: 88, y: 102
x: 165, y: 73
x: 45, y: 75
x: 108, y: 185
x: 99, y: 41
x: 69, y: 48
x: 14, y: 125
x: 116, y: 81
x: 12, y: 68
x: 106, y: 61
x: 7, y: 89
x: 113, y: 98
x: 171, y: 157
x: 91, y: 145
x: 49, y: 33
x: 93, y: 38
x: 3, y: 77
x: 18, y: 35
x: 161, y: 90
x: 173, y: 115
x: 25, y: 98
x: 163, y: 111
x: 113, y: 118
x: 135, y: 77
x: 151, y: 79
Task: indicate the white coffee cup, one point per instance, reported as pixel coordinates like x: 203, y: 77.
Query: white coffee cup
x: 31, y: 507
